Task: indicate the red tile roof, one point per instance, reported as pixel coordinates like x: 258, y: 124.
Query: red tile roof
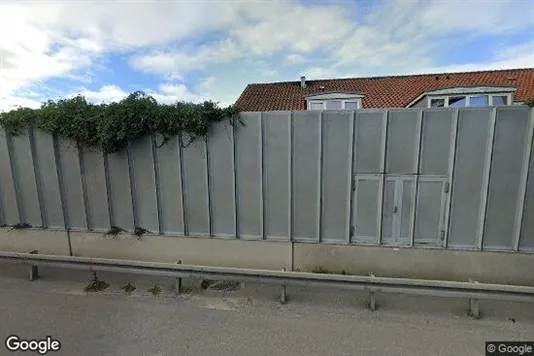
x: 380, y: 92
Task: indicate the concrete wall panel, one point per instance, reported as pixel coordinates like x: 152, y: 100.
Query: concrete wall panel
x: 8, y: 196
x: 509, y: 146
x: 222, y: 185
x: 272, y: 255
x: 24, y: 171
x: 249, y: 177
x: 526, y: 237
x: 436, y: 140
x: 337, y: 176
x: 145, y: 184
x: 121, y: 196
x: 472, y: 143
x: 170, y: 183
x: 196, y: 188
x: 276, y: 155
x: 47, y: 242
x: 423, y: 263
x: 401, y: 141
x: 306, y: 175
x: 95, y: 187
x: 368, y: 145
x: 51, y: 196
x: 526, y: 242
x: 70, y: 167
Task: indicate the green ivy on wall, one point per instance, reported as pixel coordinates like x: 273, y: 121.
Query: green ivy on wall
x: 109, y: 127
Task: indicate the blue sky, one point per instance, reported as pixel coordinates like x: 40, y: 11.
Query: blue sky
x: 210, y: 50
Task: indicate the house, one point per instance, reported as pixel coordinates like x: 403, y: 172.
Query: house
x: 482, y: 88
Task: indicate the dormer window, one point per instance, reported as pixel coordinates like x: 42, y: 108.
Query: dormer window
x: 334, y: 101
x: 469, y: 100
x: 476, y: 97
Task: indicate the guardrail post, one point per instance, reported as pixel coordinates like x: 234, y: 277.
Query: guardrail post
x: 473, y: 305
x: 34, y: 270
x: 372, y: 301
x: 178, y: 282
x: 283, y: 292
x: 372, y: 297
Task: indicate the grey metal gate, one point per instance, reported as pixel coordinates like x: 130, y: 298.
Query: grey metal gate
x: 367, y: 208
x: 432, y: 195
x: 398, y: 209
x: 384, y: 205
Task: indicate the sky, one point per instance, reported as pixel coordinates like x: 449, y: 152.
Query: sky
x: 210, y: 50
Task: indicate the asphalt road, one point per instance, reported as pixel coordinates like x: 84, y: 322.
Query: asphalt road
x: 245, y: 322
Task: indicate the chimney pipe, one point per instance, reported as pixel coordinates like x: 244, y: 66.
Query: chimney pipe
x: 303, y: 82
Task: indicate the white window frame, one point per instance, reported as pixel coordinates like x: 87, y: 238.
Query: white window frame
x: 344, y: 97
x: 358, y: 102
x: 316, y: 102
x: 468, y: 98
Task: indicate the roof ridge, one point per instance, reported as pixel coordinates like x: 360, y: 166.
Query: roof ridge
x: 398, y: 76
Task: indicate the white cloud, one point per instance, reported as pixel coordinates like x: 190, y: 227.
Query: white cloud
x: 429, y: 18
x: 166, y: 93
x: 170, y: 93
x: 523, y: 53
x: 30, y: 55
x: 207, y: 84
x: 495, y: 17
x: 258, y: 29
x: 395, y: 36
x: 410, y: 37
x: 44, y: 40
x: 176, y: 63
x: 266, y: 27
x: 372, y: 47
x: 10, y: 102
x: 129, y: 24
x: 294, y: 58
x: 521, y: 56
x: 106, y: 94
x: 321, y: 73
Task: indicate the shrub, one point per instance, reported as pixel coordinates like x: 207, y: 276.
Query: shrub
x: 109, y: 127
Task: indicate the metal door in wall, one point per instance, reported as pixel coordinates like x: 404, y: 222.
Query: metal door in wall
x: 396, y: 204
x: 366, y: 209
x: 432, y: 195
x: 397, y: 209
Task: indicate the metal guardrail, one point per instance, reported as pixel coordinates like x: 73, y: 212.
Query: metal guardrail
x: 469, y: 290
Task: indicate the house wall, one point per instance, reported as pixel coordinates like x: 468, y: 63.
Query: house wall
x: 423, y: 103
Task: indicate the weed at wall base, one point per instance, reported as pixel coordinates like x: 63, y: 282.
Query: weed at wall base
x: 114, y: 231
x: 129, y: 287
x: 156, y: 290
x: 323, y: 270
x: 96, y: 285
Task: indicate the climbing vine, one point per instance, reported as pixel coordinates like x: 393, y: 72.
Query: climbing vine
x: 109, y: 127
